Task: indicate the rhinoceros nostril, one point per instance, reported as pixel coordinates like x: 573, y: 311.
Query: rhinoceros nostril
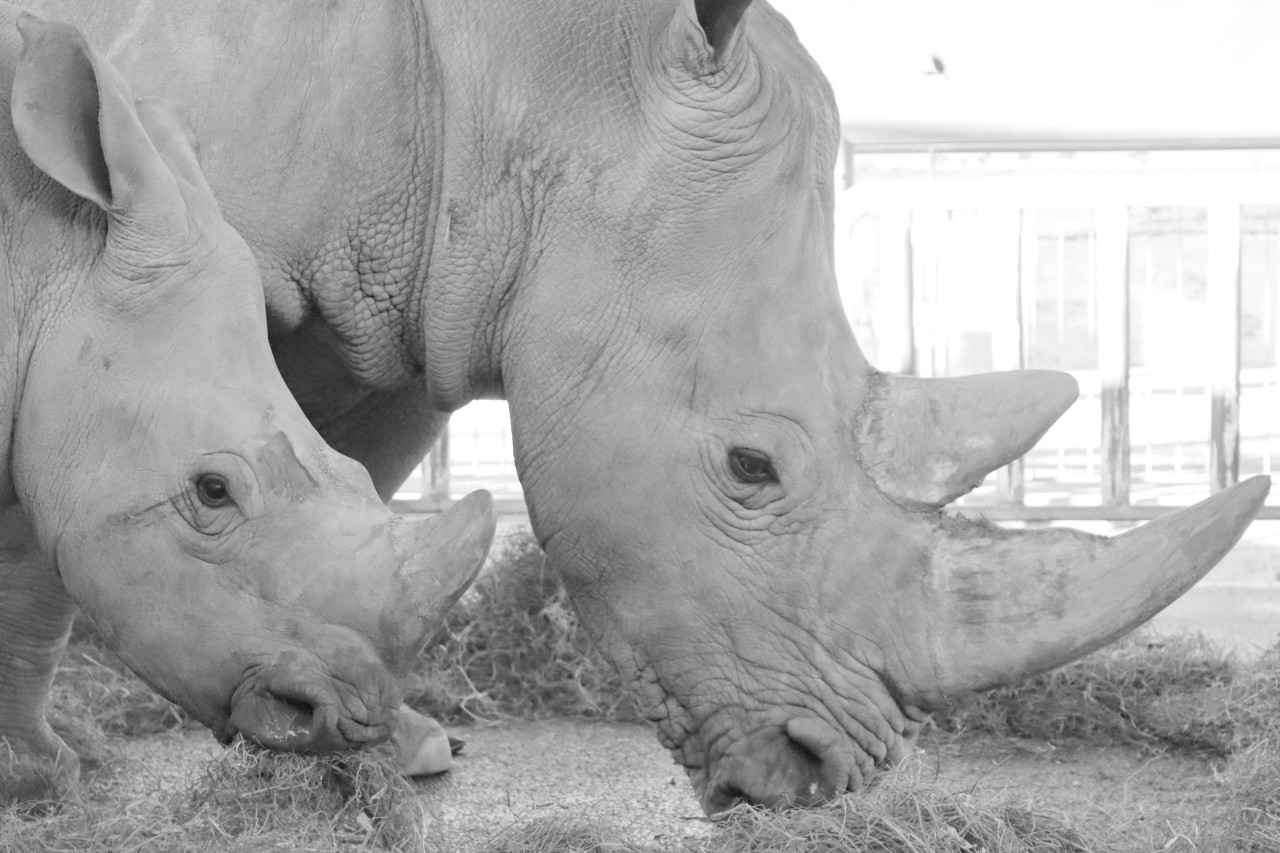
x: 724, y: 796
x: 283, y: 720
x: 774, y: 771
x: 300, y: 712
x: 806, y: 785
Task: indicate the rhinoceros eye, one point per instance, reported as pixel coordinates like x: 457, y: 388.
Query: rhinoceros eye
x: 751, y: 466
x: 213, y: 491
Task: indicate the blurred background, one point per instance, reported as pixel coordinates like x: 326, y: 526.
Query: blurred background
x: 1092, y: 188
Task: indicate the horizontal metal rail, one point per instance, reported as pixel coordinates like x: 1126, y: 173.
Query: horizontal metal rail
x: 434, y: 504
x: 1006, y: 145
x: 1125, y: 512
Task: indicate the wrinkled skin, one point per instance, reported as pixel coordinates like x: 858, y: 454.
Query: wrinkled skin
x: 618, y: 216
x: 156, y: 470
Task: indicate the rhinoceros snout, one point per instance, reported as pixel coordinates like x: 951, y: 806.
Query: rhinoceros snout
x: 781, y: 775
x: 805, y: 763
x: 311, y: 715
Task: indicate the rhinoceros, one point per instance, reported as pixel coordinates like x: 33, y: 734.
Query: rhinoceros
x: 155, y: 468
x: 618, y: 216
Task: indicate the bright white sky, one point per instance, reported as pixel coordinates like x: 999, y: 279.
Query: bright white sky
x: 1195, y: 66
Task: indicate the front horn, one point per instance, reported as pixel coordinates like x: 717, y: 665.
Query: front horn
x: 1009, y: 604
x: 440, y: 557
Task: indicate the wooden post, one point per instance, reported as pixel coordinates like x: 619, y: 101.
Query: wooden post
x: 1222, y: 340
x: 1111, y: 227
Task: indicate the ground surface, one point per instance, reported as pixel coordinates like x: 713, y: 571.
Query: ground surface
x: 513, y: 773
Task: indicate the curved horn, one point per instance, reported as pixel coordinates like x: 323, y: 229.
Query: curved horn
x: 925, y: 442
x: 1008, y: 604
x: 443, y: 554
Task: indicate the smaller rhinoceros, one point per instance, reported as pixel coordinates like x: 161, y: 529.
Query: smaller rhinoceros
x: 154, y: 468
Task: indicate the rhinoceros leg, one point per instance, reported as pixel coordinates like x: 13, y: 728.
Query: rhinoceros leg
x: 35, y: 619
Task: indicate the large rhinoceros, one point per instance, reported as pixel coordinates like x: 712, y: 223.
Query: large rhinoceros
x: 617, y: 214
x: 154, y: 467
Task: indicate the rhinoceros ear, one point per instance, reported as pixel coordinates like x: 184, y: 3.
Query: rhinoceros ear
x: 719, y: 20
x: 75, y: 118
x: 706, y: 32
x: 177, y: 143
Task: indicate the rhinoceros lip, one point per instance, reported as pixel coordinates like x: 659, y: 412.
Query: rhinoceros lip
x: 287, y: 724
x: 299, y: 715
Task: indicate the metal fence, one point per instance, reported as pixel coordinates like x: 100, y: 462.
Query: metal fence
x: 1159, y: 292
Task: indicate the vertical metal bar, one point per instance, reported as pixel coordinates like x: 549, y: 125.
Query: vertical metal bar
x: 1272, y: 316
x: 439, y: 459
x: 1029, y: 283
x: 1012, y: 484
x: 896, y: 283
x: 1061, y: 290
x: 926, y: 231
x: 909, y: 365
x: 1223, y: 297
x: 1111, y: 226
x: 1148, y: 300
x: 1180, y: 292
x: 846, y: 162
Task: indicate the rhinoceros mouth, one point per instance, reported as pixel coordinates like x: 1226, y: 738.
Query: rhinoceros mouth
x: 804, y: 762
x: 307, y: 714
x: 807, y: 748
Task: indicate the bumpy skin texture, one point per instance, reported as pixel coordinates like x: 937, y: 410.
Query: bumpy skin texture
x: 618, y: 216
x: 154, y: 468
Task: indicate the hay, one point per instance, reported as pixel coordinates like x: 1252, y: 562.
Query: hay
x: 1249, y: 819
x: 350, y: 798
x: 561, y: 834
x: 1183, y: 694
x: 95, y: 696
x: 913, y: 819
x: 513, y: 647
x: 244, y: 799
x: 905, y: 817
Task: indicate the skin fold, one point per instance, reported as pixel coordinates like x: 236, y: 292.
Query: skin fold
x: 618, y: 216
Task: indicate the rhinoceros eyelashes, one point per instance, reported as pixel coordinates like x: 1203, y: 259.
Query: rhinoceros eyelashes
x: 213, y: 491
x: 751, y: 466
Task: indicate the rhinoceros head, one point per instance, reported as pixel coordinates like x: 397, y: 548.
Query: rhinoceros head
x: 237, y: 563
x: 747, y: 515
